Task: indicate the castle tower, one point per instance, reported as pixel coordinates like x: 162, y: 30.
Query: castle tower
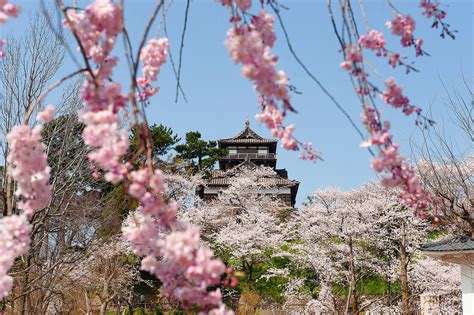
x: 248, y: 149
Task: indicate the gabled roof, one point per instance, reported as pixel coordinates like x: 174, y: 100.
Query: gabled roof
x: 453, y: 244
x: 247, y: 135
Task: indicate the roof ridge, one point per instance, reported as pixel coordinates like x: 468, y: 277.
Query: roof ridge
x: 454, y: 242
x: 248, y: 133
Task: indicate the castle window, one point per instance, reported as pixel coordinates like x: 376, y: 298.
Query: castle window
x: 262, y: 150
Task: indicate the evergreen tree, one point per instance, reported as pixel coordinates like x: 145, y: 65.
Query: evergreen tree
x: 199, y: 153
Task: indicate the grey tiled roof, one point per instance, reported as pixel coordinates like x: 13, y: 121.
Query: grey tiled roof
x: 247, y: 135
x: 456, y: 243
x: 222, y: 178
x: 247, y: 140
x: 278, y: 181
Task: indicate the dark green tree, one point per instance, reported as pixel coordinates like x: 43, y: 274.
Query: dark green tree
x: 163, y: 139
x: 200, y: 154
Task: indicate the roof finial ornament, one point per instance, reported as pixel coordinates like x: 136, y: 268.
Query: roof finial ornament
x: 247, y: 122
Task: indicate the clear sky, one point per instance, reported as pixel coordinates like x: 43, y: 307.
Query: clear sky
x: 220, y: 99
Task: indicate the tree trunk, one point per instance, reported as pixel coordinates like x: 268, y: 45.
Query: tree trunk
x: 355, y: 306
x: 88, y: 303
x: 403, y: 271
x: 24, y: 286
x: 103, y: 308
x: 250, y: 274
x: 9, y: 200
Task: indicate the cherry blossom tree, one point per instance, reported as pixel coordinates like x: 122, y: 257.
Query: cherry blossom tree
x: 349, y: 235
x: 107, y: 273
x: 246, y: 220
x: 68, y: 220
x: 335, y: 229
x: 171, y: 249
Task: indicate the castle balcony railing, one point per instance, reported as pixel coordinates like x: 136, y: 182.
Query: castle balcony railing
x: 251, y: 156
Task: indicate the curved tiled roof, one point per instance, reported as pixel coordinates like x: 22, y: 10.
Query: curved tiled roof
x: 247, y: 136
x: 452, y: 244
x: 247, y: 140
x: 222, y: 178
x: 277, y: 181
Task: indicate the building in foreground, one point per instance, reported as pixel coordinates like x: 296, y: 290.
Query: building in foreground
x: 457, y: 250
x: 248, y: 149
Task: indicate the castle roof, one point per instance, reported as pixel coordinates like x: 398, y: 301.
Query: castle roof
x: 247, y: 136
x: 221, y: 178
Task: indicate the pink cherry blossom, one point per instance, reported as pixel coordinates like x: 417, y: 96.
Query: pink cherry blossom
x: 243, y: 5
x: 430, y: 8
x: 308, y: 152
x: 11, y: 9
x: 187, y: 268
x: 28, y: 165
x: 394, y: 60
x: 8, y: 10
x: 102, y: 132
x: 403, y: 26
x: 287, y: 140
x: 46, y: 115
x: 152, y: 56
x: 96, y: 27
x: 250, y: 45
x: 374, y: 40
x: 14, y: 241
x: 353, y: 61
x: 398, y: 170
x: 393, y: 96
x: 263, y: 22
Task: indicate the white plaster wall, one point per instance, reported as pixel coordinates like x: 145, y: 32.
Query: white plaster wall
x: 467, y: 286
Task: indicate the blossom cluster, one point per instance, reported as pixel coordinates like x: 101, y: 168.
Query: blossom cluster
x: 153, y: 229
x: 352, y: 61
x: 404, y: 26
x: 187, y: 268
x: 149, y: 189
x: 8, y: 10
x: 389, y: 160
x: 28, y: 166
x: 393, y: 96
x: 102, y: 132
x: 14, y: 241
x: 401, y: 174
x: 96, y: 28
x: 308, y: 152
x: 375, y: 41
x: 432, y: 10
x: 153, y: 56
x: 250, y: 45
x: 46, y: 115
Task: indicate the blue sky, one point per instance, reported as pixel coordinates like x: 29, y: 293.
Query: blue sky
x: 220, y: 99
